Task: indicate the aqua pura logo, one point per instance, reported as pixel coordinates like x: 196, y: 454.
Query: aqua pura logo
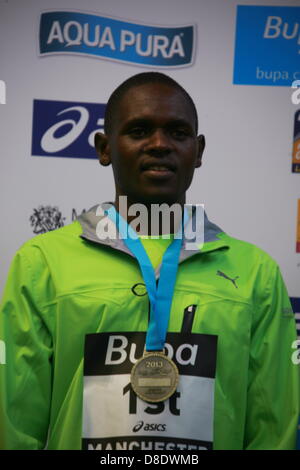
x: 68, y: 32
x: 267, y: 45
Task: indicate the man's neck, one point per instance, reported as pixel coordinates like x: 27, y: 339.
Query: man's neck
x: 151, y: 218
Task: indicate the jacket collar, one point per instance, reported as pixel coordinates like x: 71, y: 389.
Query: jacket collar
x: 212, y: 234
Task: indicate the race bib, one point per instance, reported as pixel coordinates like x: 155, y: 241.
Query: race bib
x: 114, y: 418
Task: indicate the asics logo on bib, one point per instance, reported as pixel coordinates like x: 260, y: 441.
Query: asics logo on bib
x: 119, y: 350
x: 149, y: 427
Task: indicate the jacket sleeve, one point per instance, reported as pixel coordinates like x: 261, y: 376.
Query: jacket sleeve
x: 273, y: 381
x: 26, y: 357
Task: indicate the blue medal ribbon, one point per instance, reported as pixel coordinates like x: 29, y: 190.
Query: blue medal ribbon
x: 160, y: 296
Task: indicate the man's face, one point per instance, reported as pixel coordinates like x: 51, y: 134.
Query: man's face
x: 153, y: 145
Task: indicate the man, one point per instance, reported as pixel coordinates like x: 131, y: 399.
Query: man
x: 80, y: 313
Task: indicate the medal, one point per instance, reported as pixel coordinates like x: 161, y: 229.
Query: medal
x: 154, y: 377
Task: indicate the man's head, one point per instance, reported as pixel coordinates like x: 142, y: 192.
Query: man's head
x: 151, y: 139
x: 138, y: 80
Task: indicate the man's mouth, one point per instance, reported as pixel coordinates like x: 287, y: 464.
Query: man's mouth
x: 157, y: 168
x: 160, y: 171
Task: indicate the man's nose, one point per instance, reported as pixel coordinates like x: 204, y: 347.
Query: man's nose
x: 158, y: 142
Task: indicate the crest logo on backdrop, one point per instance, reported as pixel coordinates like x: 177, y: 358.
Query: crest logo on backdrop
x: 46, y: 218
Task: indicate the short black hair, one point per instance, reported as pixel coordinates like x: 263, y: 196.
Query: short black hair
x: 137, y: 80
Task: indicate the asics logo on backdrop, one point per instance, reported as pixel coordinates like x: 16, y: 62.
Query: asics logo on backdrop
x: 66, y: 129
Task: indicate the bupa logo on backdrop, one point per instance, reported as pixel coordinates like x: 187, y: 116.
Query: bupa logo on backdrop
x: 267, y: 45
x: 65, y: 32
x: 66, y: 129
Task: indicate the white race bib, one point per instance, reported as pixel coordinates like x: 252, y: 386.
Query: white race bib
x: 114, y: 418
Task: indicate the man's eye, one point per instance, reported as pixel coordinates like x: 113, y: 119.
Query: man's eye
x: 179, y: 133
x: 137, y: 132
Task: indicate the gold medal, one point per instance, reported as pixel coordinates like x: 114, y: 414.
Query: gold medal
x: 154, y: 377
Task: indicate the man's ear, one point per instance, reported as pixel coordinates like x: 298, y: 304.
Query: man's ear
x: 102, y: 148
x: 201, y: 147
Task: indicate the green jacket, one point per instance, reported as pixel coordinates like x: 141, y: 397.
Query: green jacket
x: 67, y: 283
